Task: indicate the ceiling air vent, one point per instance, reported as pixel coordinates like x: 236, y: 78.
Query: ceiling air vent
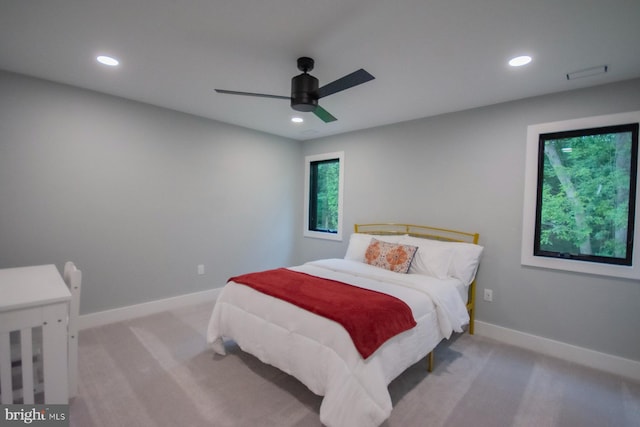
x: 588, y: 72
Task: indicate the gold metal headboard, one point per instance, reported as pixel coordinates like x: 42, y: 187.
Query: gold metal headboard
x: 418, y: 231
x: 434, y: 233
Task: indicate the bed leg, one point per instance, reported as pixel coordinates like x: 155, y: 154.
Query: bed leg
x: 430, y: 362
x: 471, y: 306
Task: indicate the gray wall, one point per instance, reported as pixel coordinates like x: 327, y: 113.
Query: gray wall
x: 138, y: 196
x: 466, y: 171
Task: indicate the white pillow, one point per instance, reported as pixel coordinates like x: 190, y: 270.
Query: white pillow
x: 445, y: 259
x: 465, y: 261
x: 433, y: 258
x: 359, y: 242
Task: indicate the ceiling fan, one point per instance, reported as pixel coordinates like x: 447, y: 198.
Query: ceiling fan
x: 305, y: 92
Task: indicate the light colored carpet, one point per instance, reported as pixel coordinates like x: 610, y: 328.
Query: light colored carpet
x: 157, y: 371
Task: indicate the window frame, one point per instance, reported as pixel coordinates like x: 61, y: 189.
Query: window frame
x: 543, y: 138
x: 531, y: 200
x: 307, y: 232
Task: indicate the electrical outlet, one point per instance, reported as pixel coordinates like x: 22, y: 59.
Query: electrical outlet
x: 200, y: 269
x: 488, y: 295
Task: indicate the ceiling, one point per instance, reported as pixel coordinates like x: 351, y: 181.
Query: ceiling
x: 429, y: 57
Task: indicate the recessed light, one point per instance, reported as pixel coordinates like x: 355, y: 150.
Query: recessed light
x: 519, y: 61
x: 297, y: 119
x: 107, y: 60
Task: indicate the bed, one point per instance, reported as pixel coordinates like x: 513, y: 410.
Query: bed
x: 437, y: 285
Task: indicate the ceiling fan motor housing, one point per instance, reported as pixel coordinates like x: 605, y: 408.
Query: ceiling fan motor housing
x: 304, y: 92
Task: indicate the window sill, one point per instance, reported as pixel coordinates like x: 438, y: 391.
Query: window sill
x: 322, y: 235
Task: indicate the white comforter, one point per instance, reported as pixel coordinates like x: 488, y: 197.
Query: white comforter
x: 320, y: 353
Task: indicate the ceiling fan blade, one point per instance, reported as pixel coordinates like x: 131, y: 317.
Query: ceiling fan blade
x: 350, y: 80
x: 324, y: 115
x: 263, y: 95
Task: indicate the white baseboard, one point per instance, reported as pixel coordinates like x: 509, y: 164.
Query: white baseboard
x: 138, y: 310
x: 605, y: 362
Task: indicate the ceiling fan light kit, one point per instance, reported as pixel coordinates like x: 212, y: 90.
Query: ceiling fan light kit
x: 305, y: 90
x: 304, y: 87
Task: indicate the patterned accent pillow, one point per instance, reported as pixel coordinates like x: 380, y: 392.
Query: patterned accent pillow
x: 390, y: 256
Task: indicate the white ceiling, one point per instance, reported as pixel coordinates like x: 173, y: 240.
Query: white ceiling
x: 429, y: 57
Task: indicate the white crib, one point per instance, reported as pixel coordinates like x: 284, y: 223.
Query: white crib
x: 38, y: 334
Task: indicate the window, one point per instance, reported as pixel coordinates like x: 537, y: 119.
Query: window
x: 586, y: 194
x: 580, y: 196
x: 323, y: 195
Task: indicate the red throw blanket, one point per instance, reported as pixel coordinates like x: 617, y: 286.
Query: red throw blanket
x: 370, y: 317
